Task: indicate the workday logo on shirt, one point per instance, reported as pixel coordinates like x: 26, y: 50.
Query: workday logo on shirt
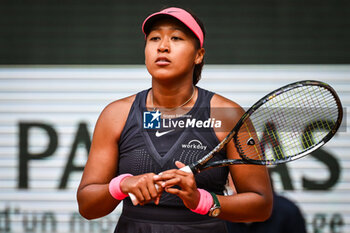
x: 151, y: 119
x: 194, y: 144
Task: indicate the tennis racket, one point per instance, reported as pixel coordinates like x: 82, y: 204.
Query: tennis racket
x: 283, y: 126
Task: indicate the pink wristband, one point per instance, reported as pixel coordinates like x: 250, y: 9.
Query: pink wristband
x: 114, y: 187
x: 205, y: 202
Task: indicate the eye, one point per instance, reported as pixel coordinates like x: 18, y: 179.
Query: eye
x: 176, y: 38
x: 154, y: 38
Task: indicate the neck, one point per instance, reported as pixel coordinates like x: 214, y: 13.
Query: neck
x: 169, y: 99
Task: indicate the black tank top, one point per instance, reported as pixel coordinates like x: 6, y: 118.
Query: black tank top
x: 141, y: 152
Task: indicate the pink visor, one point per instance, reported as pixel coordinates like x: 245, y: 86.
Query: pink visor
x: 184, y: 17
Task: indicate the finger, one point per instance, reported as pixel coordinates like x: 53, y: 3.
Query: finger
x: 143, y: 197
x: 172, y: 182
x: 171, y: 174
x: 165, y: 172
x: 179, y: 164
x: 174, y: 191
x: 133, y: 199
x: 146, y: 193
x: 178, y: 192
x: 136, y: 197
x: 157, y: 178
x: 152, y: 189
x: 157, y: 200
x: 159, y: 187
x: 184, y: 180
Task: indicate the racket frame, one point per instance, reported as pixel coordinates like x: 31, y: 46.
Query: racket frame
x: 201, y: 164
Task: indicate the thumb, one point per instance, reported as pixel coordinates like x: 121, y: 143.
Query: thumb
x: 179, y: 164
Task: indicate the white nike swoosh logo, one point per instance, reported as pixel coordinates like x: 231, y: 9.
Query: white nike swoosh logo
x: 158, y: 134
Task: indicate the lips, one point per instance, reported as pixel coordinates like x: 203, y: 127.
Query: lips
x: 162, y: 61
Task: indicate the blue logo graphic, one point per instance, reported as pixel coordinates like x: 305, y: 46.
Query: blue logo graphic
x: 151, y: 120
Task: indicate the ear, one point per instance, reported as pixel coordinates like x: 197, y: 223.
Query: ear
x: 199, y: 56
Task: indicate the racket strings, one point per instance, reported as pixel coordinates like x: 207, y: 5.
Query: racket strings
x: 266, y: 109
x: 318, y: 124
x: 270, y: 137
x: 313, y: 112
x: 288, y: 124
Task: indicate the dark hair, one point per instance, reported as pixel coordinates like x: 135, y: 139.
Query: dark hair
x: 198, y: 67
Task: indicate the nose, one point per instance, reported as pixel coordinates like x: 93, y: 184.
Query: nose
x: 164, y: 45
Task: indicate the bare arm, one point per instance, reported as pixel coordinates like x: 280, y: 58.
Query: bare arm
x: 253, y: 201
x: 93, y: 196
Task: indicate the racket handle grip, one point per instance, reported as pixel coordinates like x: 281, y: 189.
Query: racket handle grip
x: 133, y: 199
x: 186, y: 169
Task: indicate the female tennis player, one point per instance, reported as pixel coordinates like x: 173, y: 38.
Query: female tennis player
x: 127, y: 158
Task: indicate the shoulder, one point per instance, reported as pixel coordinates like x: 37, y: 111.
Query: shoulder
x: 119, y: 107
x: 226, y: 107
x: 227, y: 111
x: 114, y: 115
x: 120, y: 104
x: 221, y: 101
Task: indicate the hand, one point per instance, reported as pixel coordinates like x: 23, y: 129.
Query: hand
x: 188, y: 192
x: 143, y: 187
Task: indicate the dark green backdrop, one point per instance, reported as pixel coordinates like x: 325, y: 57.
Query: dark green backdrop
x: 238, y: 32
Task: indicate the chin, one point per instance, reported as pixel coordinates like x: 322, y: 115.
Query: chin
x: 162, y: 74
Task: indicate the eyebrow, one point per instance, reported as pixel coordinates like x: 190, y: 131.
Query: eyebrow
x: 173, y: 28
